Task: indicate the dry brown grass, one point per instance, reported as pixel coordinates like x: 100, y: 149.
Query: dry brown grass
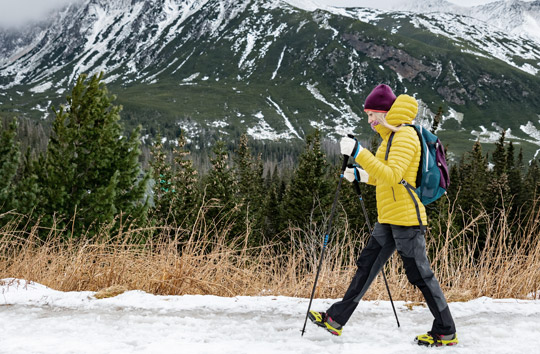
x: 208, y: 262
x: 111, y: 291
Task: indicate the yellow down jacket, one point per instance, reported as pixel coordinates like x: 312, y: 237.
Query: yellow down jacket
x: 394, y: 204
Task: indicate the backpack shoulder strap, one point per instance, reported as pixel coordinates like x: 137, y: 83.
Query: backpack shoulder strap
x: 410, y: 189
x: 388, y: 145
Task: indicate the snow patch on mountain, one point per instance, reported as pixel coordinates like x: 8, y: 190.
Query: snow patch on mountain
x: 347, y: 120
x: 282, y: 114
x: 279, y: 63
x: 189, y: 129
x: 263, y: 130
x: 532, y: 131
x: 41, y: 88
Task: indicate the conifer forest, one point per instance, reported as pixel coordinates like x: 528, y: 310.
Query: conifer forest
x: 85, y: 174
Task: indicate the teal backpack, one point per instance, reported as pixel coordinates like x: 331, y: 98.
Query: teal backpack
x: 432, y: 179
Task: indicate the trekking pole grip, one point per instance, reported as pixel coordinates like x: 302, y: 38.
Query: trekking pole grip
x: 345, y: 158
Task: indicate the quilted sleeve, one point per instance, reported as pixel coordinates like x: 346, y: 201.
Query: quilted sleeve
x: 404, y: 147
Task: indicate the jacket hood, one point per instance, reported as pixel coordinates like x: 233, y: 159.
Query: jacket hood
x: 403, y: 111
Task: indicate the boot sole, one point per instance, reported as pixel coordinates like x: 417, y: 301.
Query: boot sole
x: 314, y: 320
x: 435, y: 344
x: 322, y: 325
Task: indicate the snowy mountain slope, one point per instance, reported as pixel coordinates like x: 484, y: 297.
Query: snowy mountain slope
x: 105, y: 37
x: 520, y: 18
x: 517, y: 17
x: 493, y: 29
x: 37, y: 319
x: 276, y: 69
x: 427, y: 6
x: 472, y: 35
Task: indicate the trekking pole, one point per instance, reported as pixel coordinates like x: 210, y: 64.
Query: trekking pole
x: 326, y: 237
x: 357, y: 189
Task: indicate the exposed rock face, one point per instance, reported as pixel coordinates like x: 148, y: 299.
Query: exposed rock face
x: 263, y: 63
x: 398, y: 60
x: 452, y: 95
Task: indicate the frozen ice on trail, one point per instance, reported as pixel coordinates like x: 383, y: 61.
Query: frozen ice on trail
x: 37, y: 319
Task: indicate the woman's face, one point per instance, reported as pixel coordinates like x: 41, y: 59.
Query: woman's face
x: 374, y: 118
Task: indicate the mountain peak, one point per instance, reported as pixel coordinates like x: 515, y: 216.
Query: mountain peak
x: 427, y: 6
x: 228, y: 65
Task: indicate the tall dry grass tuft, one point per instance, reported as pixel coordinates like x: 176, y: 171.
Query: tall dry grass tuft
x: 208, y: 259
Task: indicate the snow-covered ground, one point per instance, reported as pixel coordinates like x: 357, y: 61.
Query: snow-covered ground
x: 36, y: 319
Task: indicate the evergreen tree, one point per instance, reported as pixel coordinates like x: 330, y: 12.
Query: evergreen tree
x: 474, y: 178
x: 499, y: 157
x: 455, y: 179
x: 273, y: 209
x: 175, y: 194
x: 271, y: 215
x: 532, y: 181
x: 27, y: 189
x: 9, y: 163
x: 185, y: 179
x: 248, y: 172
x: 91, y: 169
x: 515, y: 176
x: 309, y: 194
x: 437, y: 120
x: 220, y: 187
x: 250, y: 182
x: 163, y: 190
x: 498, y: 188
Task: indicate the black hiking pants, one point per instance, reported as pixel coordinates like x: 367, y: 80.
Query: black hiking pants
x: 411, y: 246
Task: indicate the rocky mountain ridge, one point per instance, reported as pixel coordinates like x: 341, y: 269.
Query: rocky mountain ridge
x: 275, y: 70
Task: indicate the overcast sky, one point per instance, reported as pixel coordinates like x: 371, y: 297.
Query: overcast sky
x: 13, y: 12
x: 377, y: 3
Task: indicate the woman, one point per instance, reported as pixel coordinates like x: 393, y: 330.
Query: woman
x: 398, y: 224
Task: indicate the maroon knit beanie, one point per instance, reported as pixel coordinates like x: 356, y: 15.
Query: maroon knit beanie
x: 380, y: 99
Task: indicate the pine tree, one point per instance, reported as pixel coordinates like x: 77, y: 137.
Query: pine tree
x: 185, y: 179
x: 163, y: 190
x: 250, y: 182
x: 308, y: 196
x: 175, y: 194
x: 437, y: 120
x: 498, y: 187
x: 220, y: 187
x: 271, y: 215
x: 91, y: 168
x: 456, y: 179
x: 27, y: 189
x: 499, y: 157
x: 474, y: 178
x: 515, y: 176
x: 474, y: 191
x: 272, y: 212
x: 9, y: 163
x: 248, y: 171
x: 532, y: 181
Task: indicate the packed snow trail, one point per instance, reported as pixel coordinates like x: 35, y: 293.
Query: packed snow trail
x: 36, y: 319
